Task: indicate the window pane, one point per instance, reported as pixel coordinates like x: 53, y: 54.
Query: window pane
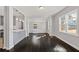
x: 21, y: 25
x: 72, y: 22
x: 1, y: 20
x: 63, y: 24
x: 14, y: 20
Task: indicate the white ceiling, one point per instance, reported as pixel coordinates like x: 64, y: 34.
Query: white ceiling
x: 34, y: 11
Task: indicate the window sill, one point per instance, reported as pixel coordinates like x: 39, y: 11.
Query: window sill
x: 71, y: 34
x: 17, y: 30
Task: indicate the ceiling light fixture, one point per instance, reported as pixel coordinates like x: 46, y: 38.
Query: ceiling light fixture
x: 41, y: 7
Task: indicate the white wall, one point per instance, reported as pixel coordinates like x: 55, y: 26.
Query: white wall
x: 41, y: 23
x: 72, y: 40
x: 1, y: 10
x: 50, y: 27
x: 20, y: 35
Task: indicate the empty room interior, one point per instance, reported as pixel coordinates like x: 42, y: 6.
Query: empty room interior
x: 39, y: 28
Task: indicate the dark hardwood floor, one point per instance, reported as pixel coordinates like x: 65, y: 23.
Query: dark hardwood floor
x: 47, y: 44
x: 3, y: 50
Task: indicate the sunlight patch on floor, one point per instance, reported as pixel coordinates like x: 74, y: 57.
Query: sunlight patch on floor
x: 59, y: 48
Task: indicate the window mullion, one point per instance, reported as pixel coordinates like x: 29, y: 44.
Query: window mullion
x: 66, y: 23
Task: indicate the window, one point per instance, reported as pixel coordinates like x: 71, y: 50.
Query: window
x: 68, y: 22
x: 14, y: 20
x: 1, y: 20
x: 18, y: 20
x: 20, y: 24
x: 35, y: 26
x: 63, y: 24
x: 72, y: 22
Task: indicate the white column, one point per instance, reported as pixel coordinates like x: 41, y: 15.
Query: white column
x: 26, y: 25
x: 8, y: 27
x: 50, y: 26
x: 78, y: 22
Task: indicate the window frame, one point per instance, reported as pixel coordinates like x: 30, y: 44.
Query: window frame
x: 66, y: 19
x: 20, y: 21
